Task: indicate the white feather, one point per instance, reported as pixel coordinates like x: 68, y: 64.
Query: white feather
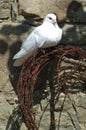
x: 46, y: 35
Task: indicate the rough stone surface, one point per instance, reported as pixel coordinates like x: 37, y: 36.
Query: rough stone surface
x: 5, y: 6
x: 73, y: 23
x: 71, y: 116
x: 74, y: 34
x: 68, y: 10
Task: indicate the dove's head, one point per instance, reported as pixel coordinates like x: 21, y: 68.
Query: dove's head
x: 51, y: 18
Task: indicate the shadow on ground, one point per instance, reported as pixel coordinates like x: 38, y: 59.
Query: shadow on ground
x: 15, y: 120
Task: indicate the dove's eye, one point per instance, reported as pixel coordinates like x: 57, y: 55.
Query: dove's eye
x: 50, y: 18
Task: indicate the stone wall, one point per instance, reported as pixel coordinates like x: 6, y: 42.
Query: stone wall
x: 5, y: 6
x: 17, y: 19
x: 70, y: 10
x: 67, y: 10
x: 71, y: 15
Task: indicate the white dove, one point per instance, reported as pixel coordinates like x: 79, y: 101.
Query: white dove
x: 48, y: 34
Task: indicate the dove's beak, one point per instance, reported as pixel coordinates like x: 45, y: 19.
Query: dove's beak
x: 55, y: 23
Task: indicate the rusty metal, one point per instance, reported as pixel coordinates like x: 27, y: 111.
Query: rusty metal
x: 33, y: 66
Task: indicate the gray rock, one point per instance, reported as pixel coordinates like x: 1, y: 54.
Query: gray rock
x: 5, y: 9
x: 72, y: 11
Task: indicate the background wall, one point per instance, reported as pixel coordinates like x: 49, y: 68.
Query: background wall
x: 17, y: 19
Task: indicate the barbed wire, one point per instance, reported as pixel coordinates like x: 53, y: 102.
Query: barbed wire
x: 75, y: 56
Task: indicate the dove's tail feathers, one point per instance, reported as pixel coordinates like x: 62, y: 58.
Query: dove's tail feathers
x: 19, y: 62
x: 20, y: 54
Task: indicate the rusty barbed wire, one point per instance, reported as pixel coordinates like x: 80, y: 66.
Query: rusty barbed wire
x: 34, y: 65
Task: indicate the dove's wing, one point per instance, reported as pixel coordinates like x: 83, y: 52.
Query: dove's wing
x: 28, y: 47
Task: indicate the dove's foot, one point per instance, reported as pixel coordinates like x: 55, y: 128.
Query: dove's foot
x: 42, y: 50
